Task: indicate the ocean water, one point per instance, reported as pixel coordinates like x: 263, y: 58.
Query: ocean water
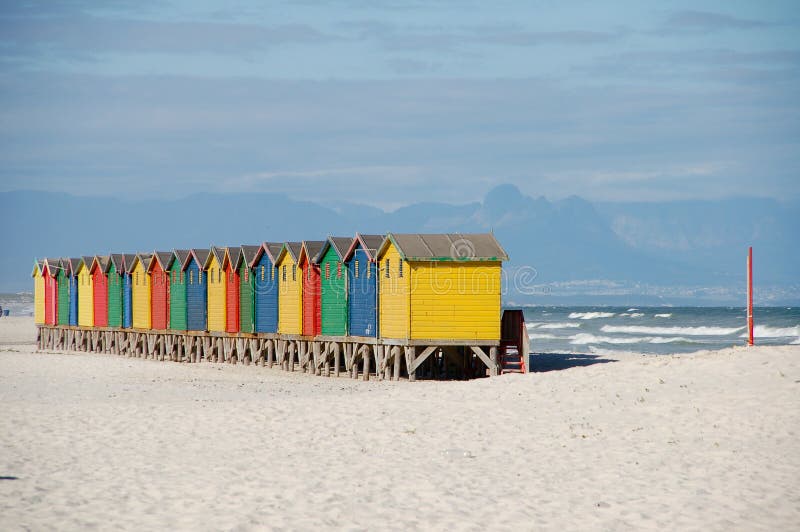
x: 656, y: 330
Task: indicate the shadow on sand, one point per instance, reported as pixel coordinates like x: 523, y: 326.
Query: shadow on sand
x: 559, y: 361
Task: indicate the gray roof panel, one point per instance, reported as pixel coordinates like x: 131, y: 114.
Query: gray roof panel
x: 448, y: 247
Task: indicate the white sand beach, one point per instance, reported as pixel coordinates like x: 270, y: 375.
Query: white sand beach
x: 704, y: 441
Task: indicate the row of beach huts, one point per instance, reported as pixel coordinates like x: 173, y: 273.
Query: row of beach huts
x: 409, y: 289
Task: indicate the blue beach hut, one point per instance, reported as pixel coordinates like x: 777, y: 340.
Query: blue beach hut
x: 196, y: 290
x: 362, y: 286
x: 73, y: 290
x: 127, y: 290
x: 265, y: 287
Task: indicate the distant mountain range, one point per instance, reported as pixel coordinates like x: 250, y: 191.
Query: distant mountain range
x: 569, y: 251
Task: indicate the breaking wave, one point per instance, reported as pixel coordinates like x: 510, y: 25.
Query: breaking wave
x: 590, y: 315
x: 542, y: 336
x: 688, y: 331
x: 764, y: 331
x: 663, y: 315
x: 585, y: 338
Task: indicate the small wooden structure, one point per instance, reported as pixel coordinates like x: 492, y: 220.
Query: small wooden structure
x: 38, y: 291
x: 177, y: 289
x: 141, y: 291
x: 217, y: 289
x: 159, y: 289
x: 309, y: 271
x: 49, y: 273
x: 362, y: 285
x: 99, y: 290
x: 62, y: 283
x: 439, y: 291
x: 231, y: 274
x: 265, y: 286
x: 333, y: 286
x: 72, y: 272
x: 127, y: 290
x: 247, y: 304
x: 115, y: 270
x: 290, y: 290
x: 85, y: 293
x: 196, y: 295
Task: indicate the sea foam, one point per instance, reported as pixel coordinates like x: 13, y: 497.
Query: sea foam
x: 687, y: 331
x: 565, y: 325
x: 585, y: 338
x: 663, y: 315
x: 590, y: 315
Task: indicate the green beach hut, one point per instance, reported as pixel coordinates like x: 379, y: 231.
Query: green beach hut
x: 114, y: 270
x: 62, y: 282
x: 177, y: 289
x: 243, y: 265
x: 333, y: 285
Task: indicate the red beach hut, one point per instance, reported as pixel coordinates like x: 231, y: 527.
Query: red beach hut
x: 229, y: 263
x: 49, y: 273
x: 308, y: 261
x: 159, y: 289
x: 100, y: 293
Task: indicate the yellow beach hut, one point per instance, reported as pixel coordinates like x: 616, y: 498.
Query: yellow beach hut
x: 140, y: 281
x: 38, y: 291
x: 440, y: 286
x: 290, y: 290
x: 217, y: 283
x: 85, y: 293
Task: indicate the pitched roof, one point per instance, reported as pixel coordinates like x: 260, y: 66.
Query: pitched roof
x: 233, y: 253
x: 162, y: 257
x: 118, y: 260
x: 293, y: 249
x: 52, y: 265
x: 200, y: 255
x: 340, y: 244
x: 456, y: 247
x: 310, y: 249
x: 272, y: 249
x: 101, y: 261
x: 369, y: 243
x: 180, y: 255
x: 37, y: 267
x: 216, y: 252
x: 247, y: 254
x: 74, y: 262
x: 144, y: 258
x: 85, y: 259
x: 127, y: 260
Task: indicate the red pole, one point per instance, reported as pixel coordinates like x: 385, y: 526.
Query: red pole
x: 750, y: 296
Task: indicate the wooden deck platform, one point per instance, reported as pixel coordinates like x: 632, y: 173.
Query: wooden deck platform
x: 357, y: 356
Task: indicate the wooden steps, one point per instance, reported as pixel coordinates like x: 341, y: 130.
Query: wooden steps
x: 511, y: 360
x: 515, y: 343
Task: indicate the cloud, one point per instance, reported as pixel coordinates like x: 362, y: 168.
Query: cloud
x: 453, y: 38
x: 690, y: 21
x: 88, y: 34
x: 393, y: 142
x: 697, y: 65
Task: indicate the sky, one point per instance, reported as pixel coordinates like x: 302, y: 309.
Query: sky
x: 390, y: 102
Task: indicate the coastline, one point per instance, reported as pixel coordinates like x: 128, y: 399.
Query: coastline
x: 705, y: 440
